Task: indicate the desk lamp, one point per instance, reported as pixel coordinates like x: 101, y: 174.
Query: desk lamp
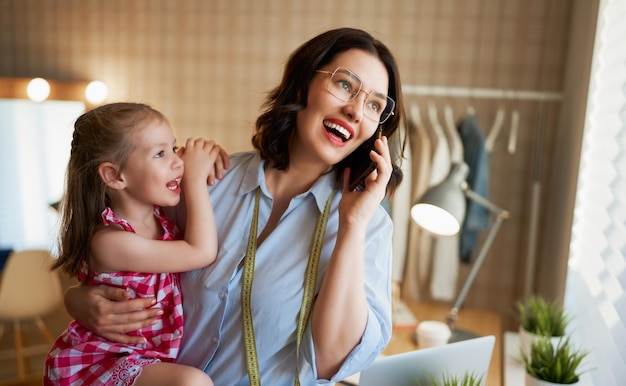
x: 441, y: 211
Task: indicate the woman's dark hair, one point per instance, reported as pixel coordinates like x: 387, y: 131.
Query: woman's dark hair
x: 278, y: 120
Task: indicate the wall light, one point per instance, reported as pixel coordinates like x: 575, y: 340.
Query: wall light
x: 96, y: 92
x: 38, y: 89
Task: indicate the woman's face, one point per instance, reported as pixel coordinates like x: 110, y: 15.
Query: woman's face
x: 329, y: 128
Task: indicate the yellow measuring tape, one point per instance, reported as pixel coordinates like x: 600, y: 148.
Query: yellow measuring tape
x: 308, y: 295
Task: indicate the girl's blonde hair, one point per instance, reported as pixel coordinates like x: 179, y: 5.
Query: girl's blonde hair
x: 100, y: 135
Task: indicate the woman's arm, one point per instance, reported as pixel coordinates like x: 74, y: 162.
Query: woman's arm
x: 341, y: 309
x: 108, y: 312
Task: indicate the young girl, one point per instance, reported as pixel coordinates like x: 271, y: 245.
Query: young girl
x: 124, y: 166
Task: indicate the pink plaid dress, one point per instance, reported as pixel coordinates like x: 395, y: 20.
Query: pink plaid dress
x: 79, y: 357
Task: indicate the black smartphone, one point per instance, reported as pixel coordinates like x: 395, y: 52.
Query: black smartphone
x: 361, y: 165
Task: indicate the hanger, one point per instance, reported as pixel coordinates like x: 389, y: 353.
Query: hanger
x: 432, y: 115
x: 415, y: 115
x: 448, y: 116
x: 471, y: 111
x: 456, y: 144
x: 495, y: 129
x: 514, y: 130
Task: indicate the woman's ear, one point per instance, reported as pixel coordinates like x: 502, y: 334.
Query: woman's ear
x: 111, y: 176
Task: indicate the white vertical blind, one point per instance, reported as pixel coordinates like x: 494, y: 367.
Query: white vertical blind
x: 596, y: 281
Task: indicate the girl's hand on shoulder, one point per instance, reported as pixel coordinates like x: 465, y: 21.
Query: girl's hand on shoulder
x: 357, y: 207
x: 204, y: 159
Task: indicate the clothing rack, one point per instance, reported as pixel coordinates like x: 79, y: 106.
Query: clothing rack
x: 507, y: 94
x: 489, y: 93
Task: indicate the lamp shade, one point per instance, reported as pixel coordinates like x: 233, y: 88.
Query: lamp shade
x: 442, y: 208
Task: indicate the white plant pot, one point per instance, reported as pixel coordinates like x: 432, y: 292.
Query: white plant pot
x: 532, y: 381
x: 526, y: 338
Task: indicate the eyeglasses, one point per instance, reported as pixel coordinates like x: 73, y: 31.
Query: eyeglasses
x: 345, y: 86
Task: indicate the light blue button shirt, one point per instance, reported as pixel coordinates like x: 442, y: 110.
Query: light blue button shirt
x: 213, y: 339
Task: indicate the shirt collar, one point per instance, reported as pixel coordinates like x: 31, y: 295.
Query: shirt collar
x: 254, y: 177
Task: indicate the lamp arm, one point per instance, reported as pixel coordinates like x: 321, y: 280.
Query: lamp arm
x: 472, y: 195
x: 501, y: 215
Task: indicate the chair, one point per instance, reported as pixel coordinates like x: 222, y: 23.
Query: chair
x: 28, y: 290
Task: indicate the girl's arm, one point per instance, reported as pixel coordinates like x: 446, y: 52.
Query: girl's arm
x: 117, y: 250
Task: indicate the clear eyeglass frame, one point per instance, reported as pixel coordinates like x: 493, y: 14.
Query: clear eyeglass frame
x: 345, y: 85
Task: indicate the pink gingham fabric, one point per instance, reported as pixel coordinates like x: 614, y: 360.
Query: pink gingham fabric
x: 79, y: 357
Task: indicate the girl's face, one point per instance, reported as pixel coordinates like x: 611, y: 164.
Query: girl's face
x: 329, y: 129
x: 153, y: 171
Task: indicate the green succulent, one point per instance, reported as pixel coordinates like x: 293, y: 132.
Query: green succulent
x: 542, y: 317
x: 467, y: 379
x: 556, y: 364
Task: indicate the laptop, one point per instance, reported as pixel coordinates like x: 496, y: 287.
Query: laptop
x: 417, y: 368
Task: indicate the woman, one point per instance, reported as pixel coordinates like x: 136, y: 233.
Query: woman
x: 249, y: 316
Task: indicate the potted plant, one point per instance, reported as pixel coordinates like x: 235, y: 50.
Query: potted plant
x: 539, y: 317
x: 467, y: 379
x: 547, y: 364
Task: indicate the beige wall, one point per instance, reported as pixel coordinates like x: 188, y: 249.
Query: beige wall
x: 207, y: 65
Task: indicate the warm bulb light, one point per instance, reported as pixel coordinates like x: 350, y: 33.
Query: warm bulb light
x: 96, y: 92
x: 38, y: 89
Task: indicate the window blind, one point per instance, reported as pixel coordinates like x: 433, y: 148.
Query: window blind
x: 596, y: 282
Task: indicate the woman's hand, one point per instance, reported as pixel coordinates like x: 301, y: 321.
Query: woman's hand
x: 222, y: 162
x: 108, y: 312
x: 357, y: 207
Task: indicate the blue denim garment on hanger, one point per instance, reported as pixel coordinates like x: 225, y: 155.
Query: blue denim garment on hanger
x: 477, y: 217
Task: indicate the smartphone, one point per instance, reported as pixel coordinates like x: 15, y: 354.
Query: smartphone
x: 361, y: 163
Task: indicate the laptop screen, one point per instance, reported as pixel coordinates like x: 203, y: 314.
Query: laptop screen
x: 420, y: 367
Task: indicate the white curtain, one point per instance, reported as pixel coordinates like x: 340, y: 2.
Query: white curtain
x: 596, y: 282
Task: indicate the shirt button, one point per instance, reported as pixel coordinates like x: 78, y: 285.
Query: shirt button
x: 215, y: 339
x: 222, y: 295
